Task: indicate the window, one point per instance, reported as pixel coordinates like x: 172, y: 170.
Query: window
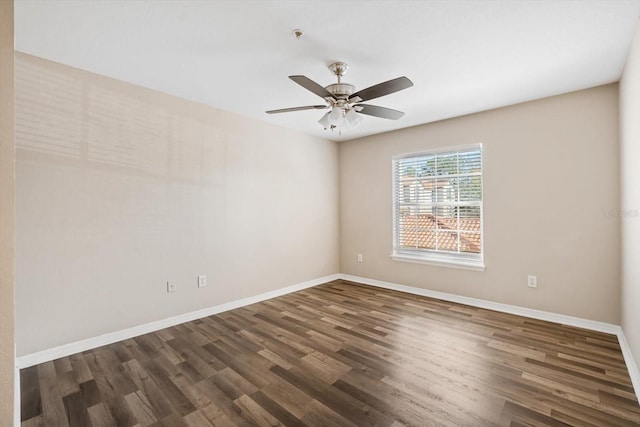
x: 437, y: 205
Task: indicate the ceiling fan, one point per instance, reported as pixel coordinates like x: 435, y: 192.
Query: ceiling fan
x: 345, y: 104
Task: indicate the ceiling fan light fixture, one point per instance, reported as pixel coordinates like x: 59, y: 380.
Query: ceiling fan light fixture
x: 335, y: 116
x: 353, y: 118
x: 324, y: 121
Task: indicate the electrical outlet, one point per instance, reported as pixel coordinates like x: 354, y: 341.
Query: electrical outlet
x: 202, y: 281
x: 171, y: 287
x: 532, y: 281
x: 360, y: 258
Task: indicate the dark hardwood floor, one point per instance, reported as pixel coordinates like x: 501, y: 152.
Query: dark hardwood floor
x: 341, y: 354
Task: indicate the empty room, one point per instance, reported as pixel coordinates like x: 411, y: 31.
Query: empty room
x: 319, y: 213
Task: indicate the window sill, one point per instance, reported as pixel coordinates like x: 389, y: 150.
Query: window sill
x: 440, y: 261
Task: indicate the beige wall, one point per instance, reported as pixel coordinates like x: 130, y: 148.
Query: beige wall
x: 120, y: 189
x: 551, y: 170
x: 6, y: 214
x: 630, y: 190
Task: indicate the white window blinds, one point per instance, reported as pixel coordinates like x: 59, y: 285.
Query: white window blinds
x: 438, y: 206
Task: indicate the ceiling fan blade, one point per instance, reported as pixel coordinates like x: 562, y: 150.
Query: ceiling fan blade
x: 312, y: 86
x: 381, y: 89
x: 374, y: 110
x: 287, y: 110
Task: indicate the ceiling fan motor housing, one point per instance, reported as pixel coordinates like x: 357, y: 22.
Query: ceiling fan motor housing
x: 341, y: 90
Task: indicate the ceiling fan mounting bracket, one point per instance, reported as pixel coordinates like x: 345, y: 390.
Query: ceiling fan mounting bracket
x: 339, y: 69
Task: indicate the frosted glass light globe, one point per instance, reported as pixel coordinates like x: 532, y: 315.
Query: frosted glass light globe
x: 335, y: 116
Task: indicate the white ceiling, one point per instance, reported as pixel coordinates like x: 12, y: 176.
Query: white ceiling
x: 463, y: 56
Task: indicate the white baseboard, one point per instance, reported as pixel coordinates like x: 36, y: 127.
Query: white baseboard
x: 520, y: 311
x: 496, y: 306
x: 630, y: 362
x: 112, y: 337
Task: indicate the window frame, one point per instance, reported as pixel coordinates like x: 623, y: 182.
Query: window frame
x: 437, y: 257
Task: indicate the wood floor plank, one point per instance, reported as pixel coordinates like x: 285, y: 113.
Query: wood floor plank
x: 100, y: 416
x: 53, y: 410
x: 287, y: 396
x: 171, y: 392
x: 141, y: 408
x: 341, y: 354
x: 281, y: 414
x: 150, y: 389
x: 30, y: 393
x: 37, y: 421
x: 342, y: 403
x: 216, y: 416
x: 255, y: 413
x: 222, y: 407
x: 197, y: 419
x: 76, y: 410
x: 120, y: 411
x: 80, y: 368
